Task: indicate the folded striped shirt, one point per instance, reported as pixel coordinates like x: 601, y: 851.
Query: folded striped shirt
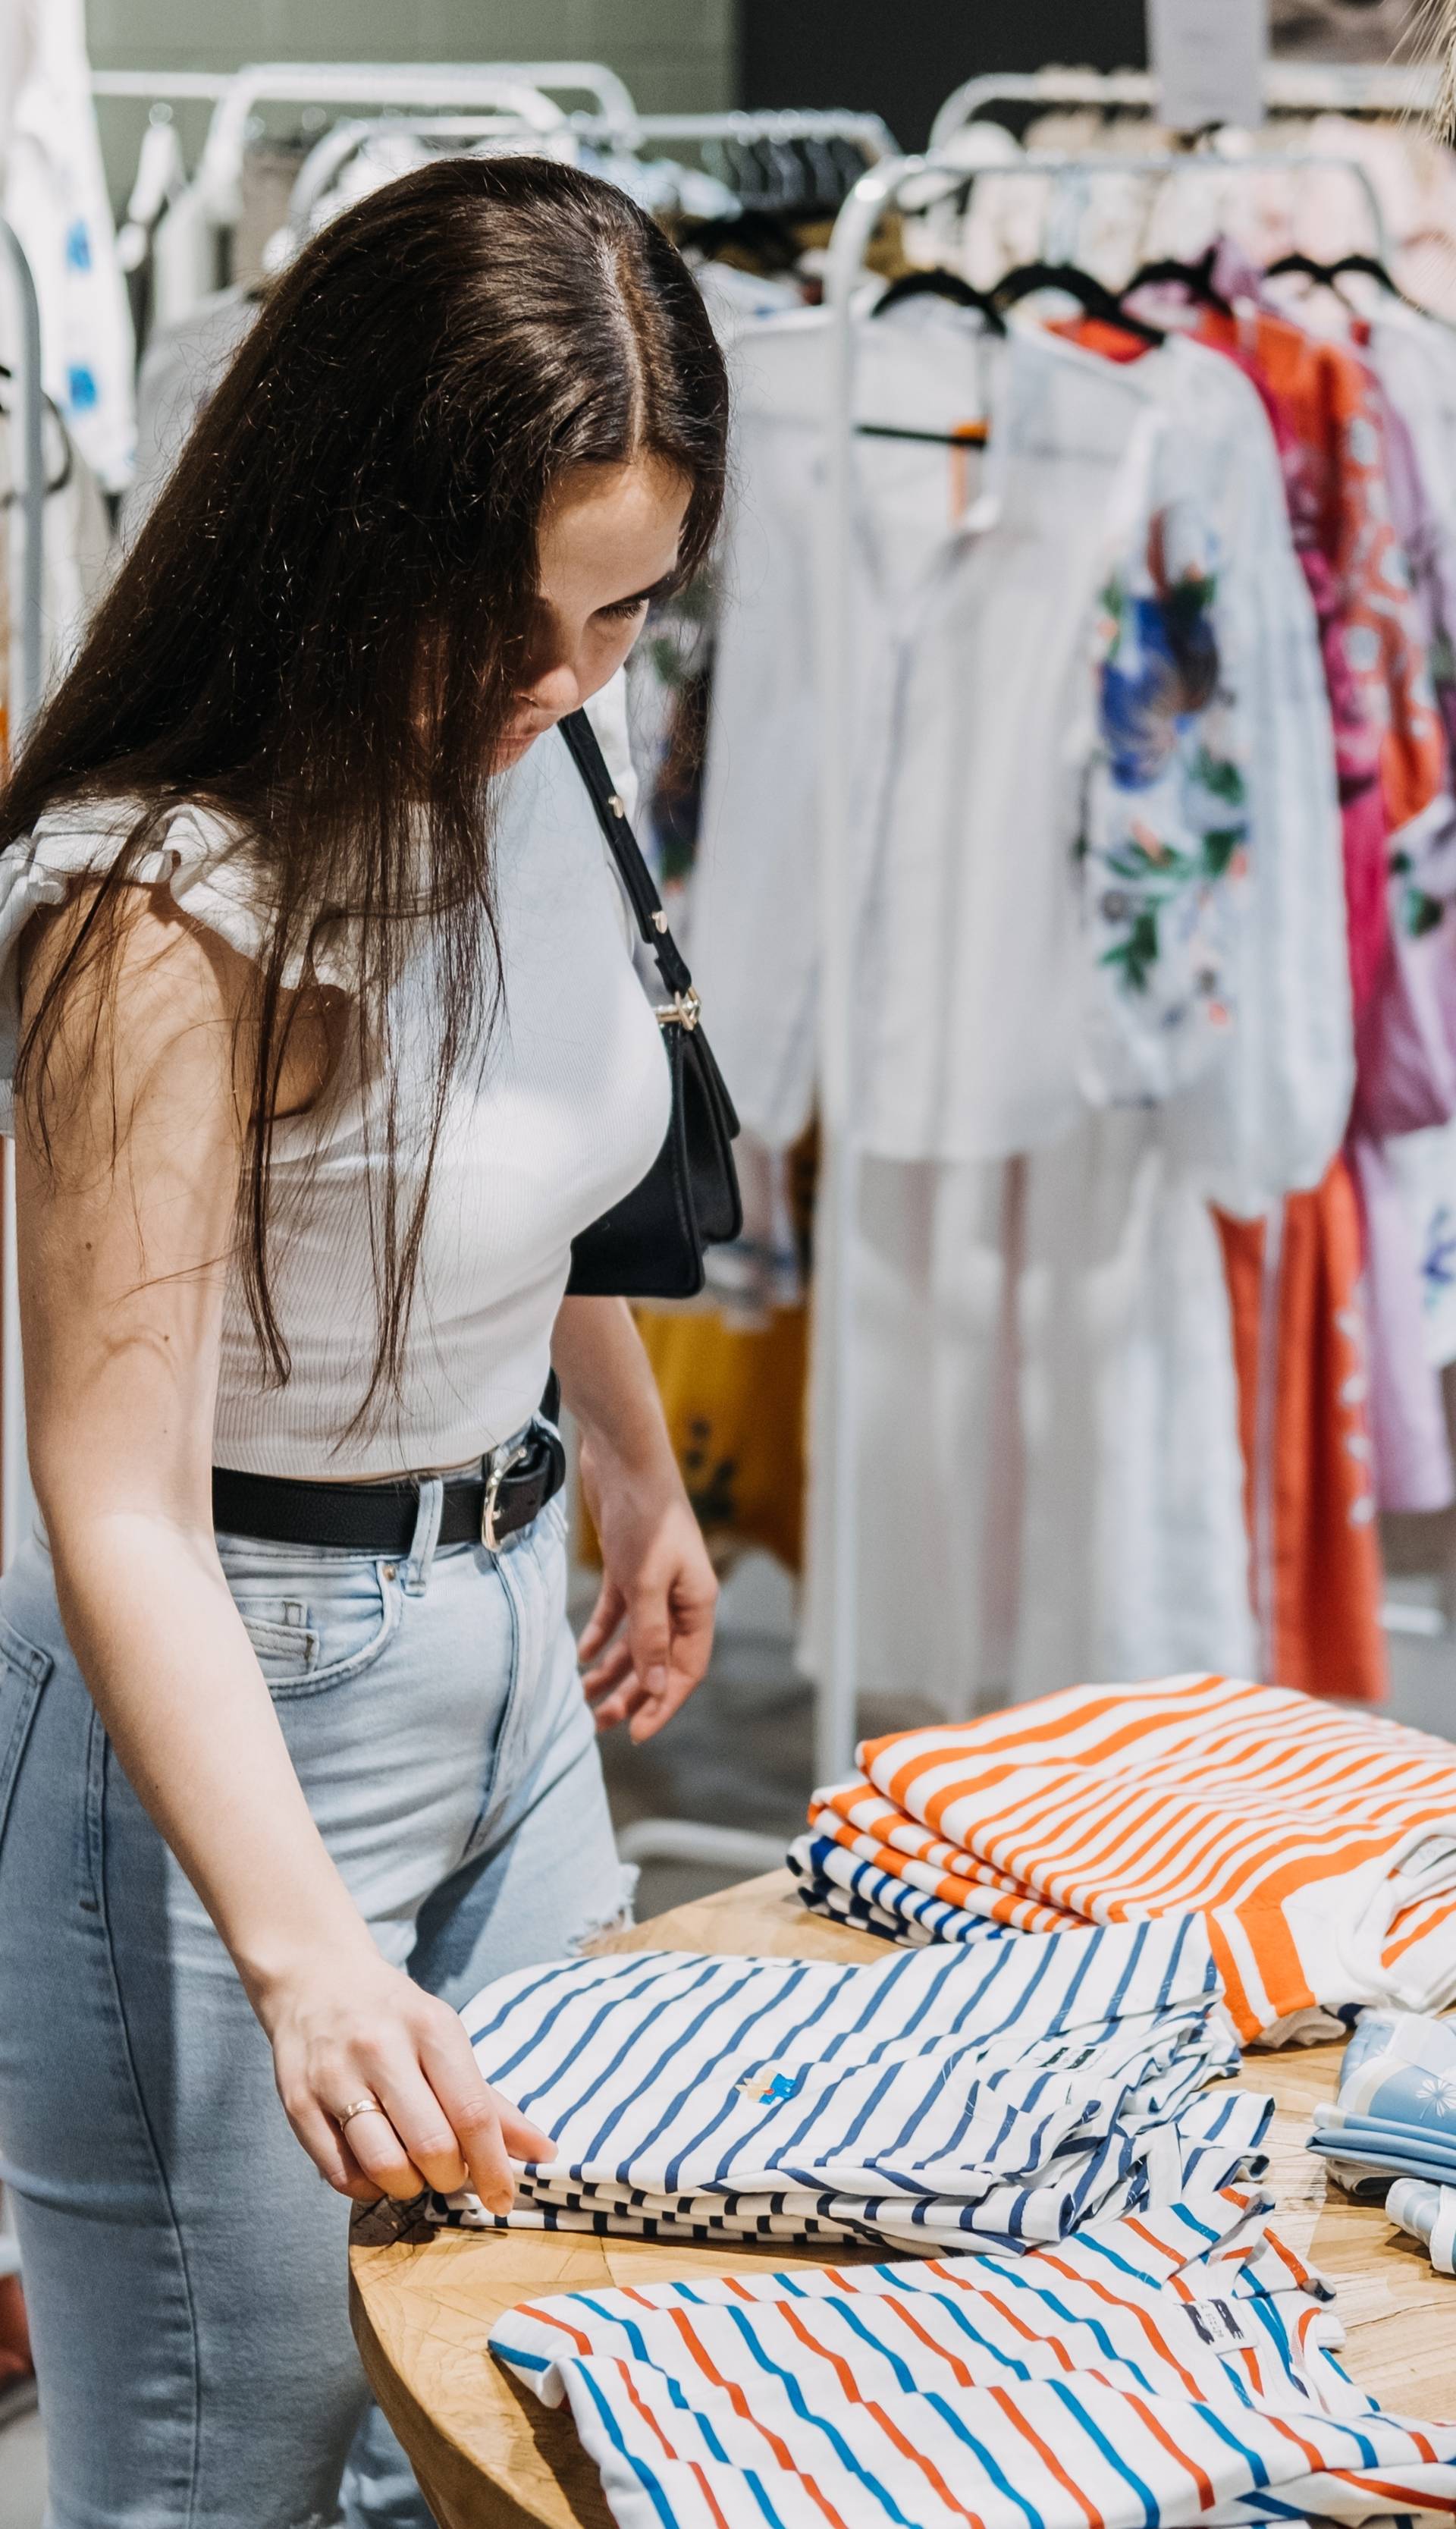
x: 1318, y: 1843
x: 838, y: 1883
x: 1007, y: 2093
x: 1174, y: 2368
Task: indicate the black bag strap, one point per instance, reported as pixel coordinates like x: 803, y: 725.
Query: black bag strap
x: 622, y: 843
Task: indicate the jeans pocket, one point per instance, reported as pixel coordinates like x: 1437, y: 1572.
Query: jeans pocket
x: 23, y: 1671
x: 316, y: 1629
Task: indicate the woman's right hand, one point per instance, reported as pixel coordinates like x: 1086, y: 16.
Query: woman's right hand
x: 348, y: 2028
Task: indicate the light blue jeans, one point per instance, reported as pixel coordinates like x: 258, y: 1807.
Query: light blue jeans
x: 184, y: 2264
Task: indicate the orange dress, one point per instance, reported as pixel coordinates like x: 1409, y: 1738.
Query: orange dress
x: 1295, y: 1301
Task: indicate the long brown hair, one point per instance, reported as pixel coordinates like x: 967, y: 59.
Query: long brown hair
x: 321, y: 627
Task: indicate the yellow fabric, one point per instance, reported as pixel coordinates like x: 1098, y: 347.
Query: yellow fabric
x: 735, y: 1403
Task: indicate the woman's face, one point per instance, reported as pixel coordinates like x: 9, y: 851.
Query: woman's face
x: 608, y: 540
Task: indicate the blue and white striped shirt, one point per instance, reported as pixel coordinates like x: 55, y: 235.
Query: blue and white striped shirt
x: 1007, y: 2093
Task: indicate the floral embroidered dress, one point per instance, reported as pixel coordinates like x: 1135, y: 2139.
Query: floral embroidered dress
x: 1293, y: 1266
x: 1166, y: 829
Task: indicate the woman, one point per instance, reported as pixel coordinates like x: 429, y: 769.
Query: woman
x: 326, y: 1041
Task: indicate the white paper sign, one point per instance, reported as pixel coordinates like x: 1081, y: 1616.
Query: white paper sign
x: 1207, y: 59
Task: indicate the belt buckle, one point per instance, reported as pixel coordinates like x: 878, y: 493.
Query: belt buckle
x: 500, y: 1469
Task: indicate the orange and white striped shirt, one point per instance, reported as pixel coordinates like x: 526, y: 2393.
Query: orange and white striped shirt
x: 1175, y: 2369
x: 1318, y: 1843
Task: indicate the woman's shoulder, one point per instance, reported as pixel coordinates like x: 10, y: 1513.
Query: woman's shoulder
x: 200, y: 856
x: 180, y: 845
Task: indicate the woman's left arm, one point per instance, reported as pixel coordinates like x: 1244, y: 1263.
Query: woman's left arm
x: 651, y: 1634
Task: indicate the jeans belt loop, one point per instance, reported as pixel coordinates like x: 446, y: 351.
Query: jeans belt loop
x: 420, y: 1561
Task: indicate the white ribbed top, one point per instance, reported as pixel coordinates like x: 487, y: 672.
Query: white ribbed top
x: 562, y: 1114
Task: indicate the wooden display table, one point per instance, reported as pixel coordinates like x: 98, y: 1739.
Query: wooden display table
x: 488, y: 2456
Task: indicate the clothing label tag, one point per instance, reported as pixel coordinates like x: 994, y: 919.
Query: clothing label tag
x: 768, y: 2087
x: 1207, y: 59
x: 1433, y: 1855
x: 1218, y: 2324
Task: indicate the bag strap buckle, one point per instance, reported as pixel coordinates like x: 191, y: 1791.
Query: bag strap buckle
x: 684, y: 1009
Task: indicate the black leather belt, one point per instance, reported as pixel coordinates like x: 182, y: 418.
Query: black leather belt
x: 513, y: 1487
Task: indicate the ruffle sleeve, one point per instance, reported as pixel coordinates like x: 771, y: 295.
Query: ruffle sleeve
x: 212, y: 877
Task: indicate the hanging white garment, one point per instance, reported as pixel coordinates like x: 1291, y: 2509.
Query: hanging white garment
x: 1239, y: 870
x: 937, y: 1444
x: 160, y: 180
x: 989, y: 1012
x: 184, y: 260
x: 55, y: 198
x: 180, y: 367
x: 991, y: 1004
x: 1050, y: 1482
x: 77, y: 547
x: 755, y: 915
x: 1133, y: 1540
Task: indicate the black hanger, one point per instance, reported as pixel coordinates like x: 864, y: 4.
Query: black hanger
x: 971, y: 434
x: 1372, y: 267
x: 935, y: 282
x: 1089, y: 292
x: 1304, y: 266
x: 1329, y: 276
x: 764, y: 233
x: 57, y: 484
x: 1196, y: 278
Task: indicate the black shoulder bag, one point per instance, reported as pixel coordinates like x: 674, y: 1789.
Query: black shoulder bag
x: 650, y: 1245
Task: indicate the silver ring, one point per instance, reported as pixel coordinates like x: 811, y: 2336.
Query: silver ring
x: 357, y: 2107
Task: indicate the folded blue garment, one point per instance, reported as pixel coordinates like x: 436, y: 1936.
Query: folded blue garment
x: 1400, y: 2066
x: 1396, y: 2107
x: 1373, y: 2133
x: 1395, y: 2115
x: 1389, y: 2163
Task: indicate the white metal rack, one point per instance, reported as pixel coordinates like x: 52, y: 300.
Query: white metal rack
x: 1288, y: 87
x: 403, y: 83
x: 527, y: 89
x: 27, y: 670
x: 334, y: 149
x: 518, y: 110
x: 776, y: 122
x: 409, y: 84
x: 216, y: 185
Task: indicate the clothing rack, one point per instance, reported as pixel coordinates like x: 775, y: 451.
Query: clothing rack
x: 880, y: 190
x: 1289, y: 87
x: 26, y: 669
x: 235, y: 98
x: 197, y: 88
x: 867, y: 131
x: 776, y: 123
x: 1063, y: 168
x: 517, y: 109
x: 418, y: 85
